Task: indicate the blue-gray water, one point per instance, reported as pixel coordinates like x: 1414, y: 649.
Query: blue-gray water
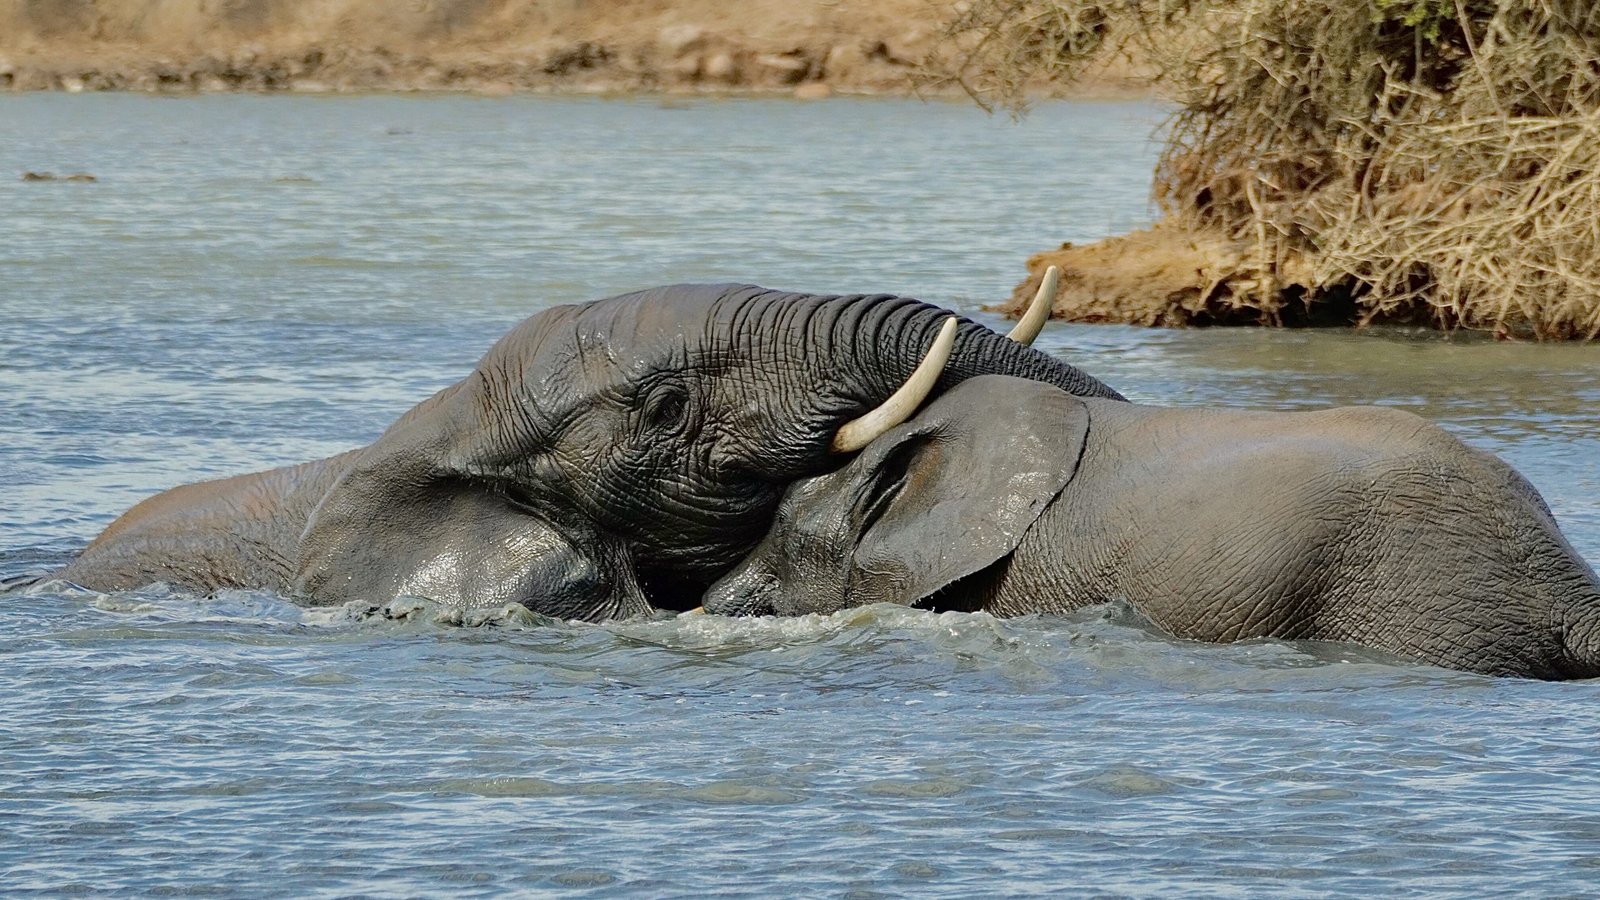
x: 258, y: 281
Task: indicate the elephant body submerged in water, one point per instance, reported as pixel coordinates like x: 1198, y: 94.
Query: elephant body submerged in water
x: 1365, y: 525
x: 611, y: 458
x: 650, y: 434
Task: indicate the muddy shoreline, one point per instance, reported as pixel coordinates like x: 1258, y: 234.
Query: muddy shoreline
x: 811, y: 48
x: 583, y: 68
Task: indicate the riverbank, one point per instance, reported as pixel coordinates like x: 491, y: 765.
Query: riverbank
x: 1421, y: 162
x: 812, y: 48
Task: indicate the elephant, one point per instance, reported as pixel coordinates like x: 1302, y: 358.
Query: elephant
x: 1358, y: 524
x: 602, y: 459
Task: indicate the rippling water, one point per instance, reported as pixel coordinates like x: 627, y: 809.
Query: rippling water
x: 257, y: 281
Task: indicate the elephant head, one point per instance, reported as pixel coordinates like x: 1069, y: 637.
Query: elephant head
x: 922, y: 510
x: 1361, y: 524
x: 667, y: 421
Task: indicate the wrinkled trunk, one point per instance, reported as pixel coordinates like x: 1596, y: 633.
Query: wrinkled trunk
x: 894, y: 335
x: 830, y: 359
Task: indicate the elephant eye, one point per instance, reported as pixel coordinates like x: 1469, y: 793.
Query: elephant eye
x: 517, y: 495
x: 666, y: 407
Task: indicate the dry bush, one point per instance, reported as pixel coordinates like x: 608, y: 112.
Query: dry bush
x: 1435, y: 159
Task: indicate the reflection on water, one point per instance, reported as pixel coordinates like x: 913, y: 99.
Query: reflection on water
x: 256, y: 281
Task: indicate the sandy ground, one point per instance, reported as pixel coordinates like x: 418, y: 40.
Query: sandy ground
x: 810, y: 47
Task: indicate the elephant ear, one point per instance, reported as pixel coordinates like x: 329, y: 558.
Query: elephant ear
x: 953, y: 491
x: 405, y: 519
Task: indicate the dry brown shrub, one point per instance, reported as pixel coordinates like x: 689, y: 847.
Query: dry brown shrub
x: 1436, y: 159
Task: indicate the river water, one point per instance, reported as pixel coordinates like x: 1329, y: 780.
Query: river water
x: 255, y: 281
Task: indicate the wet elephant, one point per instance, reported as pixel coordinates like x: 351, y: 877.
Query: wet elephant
x: 1357, y: 524
x: 650, y: 433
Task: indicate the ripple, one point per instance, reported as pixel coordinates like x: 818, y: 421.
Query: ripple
x: 1123, y: 782
x: 503, y: 787
x: 737, y: 792
x: 931, y: 788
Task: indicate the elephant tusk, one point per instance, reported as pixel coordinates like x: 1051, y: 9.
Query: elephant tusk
x: 858, y: 433
x: 697, y: 611
x: 1038, y: 311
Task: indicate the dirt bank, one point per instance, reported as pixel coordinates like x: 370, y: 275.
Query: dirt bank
x: 1172, y: 277
x: 811, y: 47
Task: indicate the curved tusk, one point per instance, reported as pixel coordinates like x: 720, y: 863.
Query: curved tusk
x: 858, y: 433
x: 1038, y: 311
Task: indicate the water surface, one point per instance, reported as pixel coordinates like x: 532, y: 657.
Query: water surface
x: 258, y: 281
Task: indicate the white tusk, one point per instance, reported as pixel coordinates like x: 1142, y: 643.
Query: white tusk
x: 1038, y: 311
x: 697, y: 611
x: 858, y: 433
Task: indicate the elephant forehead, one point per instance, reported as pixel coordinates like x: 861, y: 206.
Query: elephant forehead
x: 823, y: 500
x: 601, y: 349
x: 675, y: 314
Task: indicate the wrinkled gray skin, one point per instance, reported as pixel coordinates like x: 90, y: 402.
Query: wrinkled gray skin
x: 651, y: 433
x: 1358, y: 524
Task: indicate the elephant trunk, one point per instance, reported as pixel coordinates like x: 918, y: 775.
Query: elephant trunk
x: 903, y: 403
x: 860, y: 350
x: 820, y: 362
x: 891, y: 335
